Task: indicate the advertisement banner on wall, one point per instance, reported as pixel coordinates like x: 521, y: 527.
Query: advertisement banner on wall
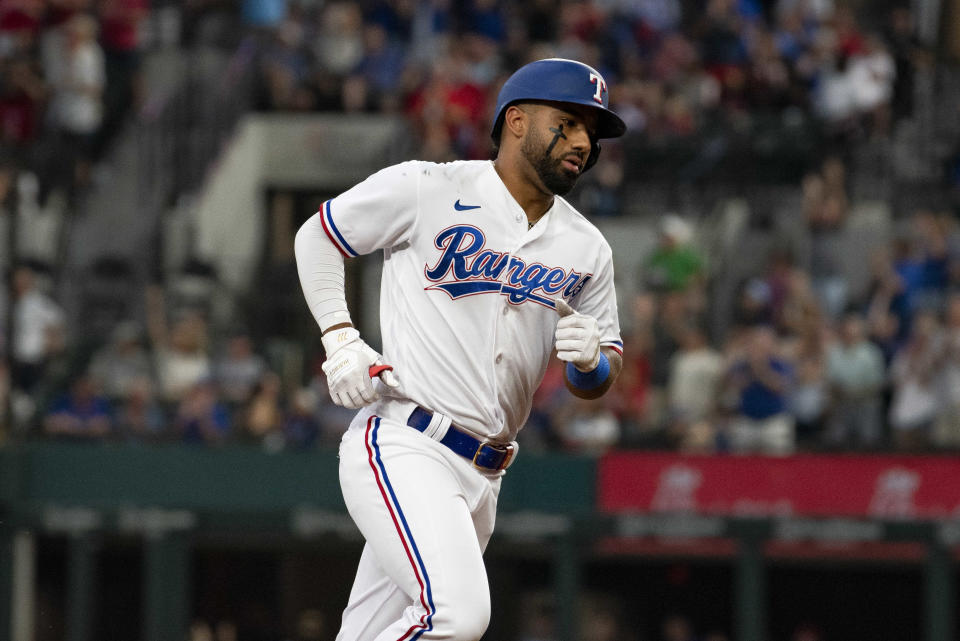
x: 883, y: 487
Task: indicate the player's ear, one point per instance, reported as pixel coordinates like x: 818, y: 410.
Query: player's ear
x: 516, y: 120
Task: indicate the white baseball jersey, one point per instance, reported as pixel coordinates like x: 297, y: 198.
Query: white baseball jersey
x: 466, y: 307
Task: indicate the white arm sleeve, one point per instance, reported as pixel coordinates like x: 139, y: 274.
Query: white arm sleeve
x: 320, y: 266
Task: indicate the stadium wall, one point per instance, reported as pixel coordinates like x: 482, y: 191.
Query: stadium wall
x: 573, y: 509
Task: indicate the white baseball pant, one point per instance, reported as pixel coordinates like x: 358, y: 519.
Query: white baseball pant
x: 427, y: 515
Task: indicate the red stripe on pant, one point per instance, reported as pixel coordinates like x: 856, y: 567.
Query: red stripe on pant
x: 390, y: 508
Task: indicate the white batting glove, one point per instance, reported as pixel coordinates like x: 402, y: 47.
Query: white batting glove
x: 577, y: 337
x: 350, y: 367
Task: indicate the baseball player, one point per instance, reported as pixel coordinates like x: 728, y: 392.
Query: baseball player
x: 486, y: 271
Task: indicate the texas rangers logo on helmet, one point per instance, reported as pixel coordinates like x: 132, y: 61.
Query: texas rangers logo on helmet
x: 597, y: 79
x: 466, y: 268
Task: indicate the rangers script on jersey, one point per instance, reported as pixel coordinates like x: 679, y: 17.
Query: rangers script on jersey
x: 466, y: 310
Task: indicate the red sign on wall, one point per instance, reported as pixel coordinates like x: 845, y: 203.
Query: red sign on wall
x: 890, y: 487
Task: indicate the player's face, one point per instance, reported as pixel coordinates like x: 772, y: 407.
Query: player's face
x: 557, y: 144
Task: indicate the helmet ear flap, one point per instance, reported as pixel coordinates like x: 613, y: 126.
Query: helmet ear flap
x: 592, y: 158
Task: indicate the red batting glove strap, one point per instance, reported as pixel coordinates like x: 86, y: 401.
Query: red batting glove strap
x: 376, y: 369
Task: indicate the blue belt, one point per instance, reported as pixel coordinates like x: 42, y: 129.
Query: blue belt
x: 484, y: 455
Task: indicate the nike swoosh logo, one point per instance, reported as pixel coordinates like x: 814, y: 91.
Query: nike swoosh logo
x: 460, y: 207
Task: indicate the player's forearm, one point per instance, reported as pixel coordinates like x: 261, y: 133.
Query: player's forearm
x: 616, y: 364
x: 320, y: 266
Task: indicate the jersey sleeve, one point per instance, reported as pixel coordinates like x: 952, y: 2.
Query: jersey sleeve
x: 599, y: 299
x: 376, y: 213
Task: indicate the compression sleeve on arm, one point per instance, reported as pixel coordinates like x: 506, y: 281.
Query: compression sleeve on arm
x: 320, y: 266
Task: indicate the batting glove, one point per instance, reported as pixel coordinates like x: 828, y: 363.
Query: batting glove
x: 350, y: 367
x: 577, y: 338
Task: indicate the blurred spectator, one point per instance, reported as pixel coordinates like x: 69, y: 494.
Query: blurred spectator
x: 856, y: 372
x: 674, y: 314
x: 884, y: 328
x: 872, y: 71
x: 825, y: 204
x: 754, y: 303
x: 675, y: 265
x: 833, y: 98
x: 768, y: 81
x: 541, y: 431
x: 783, y: 280
x: 339, y: 47
x: 77, y: 103
x: 801, y: 314
x: 929, y: 263
x: 20, y: 24
x: 264, y: 14
x: 382, y: 64
x: 639, y: 407
x: 201, y: 417
x: 123, y: 362
x: 239, y: 369
x: 810, y: 396
x: 599, y: 194
x: 121, y: 25
x: 696, y: 371
x: 22, y: 96
x: 946, y: 432
x: 180, y: 351
x: 759, y: 384
x: 301, y: 430
x: 263, y: 416
x: 915, y: 400
x: 38, y: 325
x: 586, y: 426
x: 140, y: 418
x: 450, y: 110
x: 833, y: 170
x: 284, y: 67
x: 908, y: 53
x: 83, y: 413
x: 888, y: 311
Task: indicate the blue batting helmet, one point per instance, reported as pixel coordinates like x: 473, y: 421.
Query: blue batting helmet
x: 561, y: 80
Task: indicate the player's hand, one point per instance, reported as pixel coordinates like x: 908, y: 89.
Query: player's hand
x: 350, y: 367
x: 577, y: 337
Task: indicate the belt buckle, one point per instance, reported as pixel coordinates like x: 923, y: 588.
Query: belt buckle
x: 508, y: 449
x: 511, y: 451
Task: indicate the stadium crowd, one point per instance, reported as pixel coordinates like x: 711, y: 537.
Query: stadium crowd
x: 676, y: 67
x: 68, y: 79
x: 803, y: 362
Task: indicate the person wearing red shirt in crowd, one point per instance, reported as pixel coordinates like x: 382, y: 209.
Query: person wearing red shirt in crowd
x: 452, y: 110
x: 22, y: 94
x: 119, y: 36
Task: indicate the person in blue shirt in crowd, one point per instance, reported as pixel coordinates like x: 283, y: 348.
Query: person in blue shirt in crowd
x: 758, y: 387
x: 82, y: 413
